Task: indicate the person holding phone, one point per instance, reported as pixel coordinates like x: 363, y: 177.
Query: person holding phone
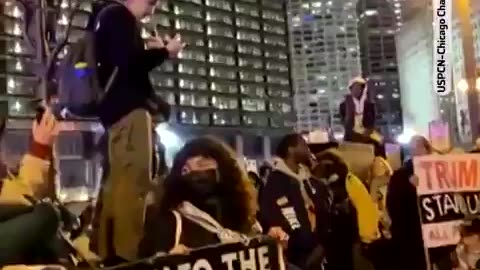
x: 125, y: 61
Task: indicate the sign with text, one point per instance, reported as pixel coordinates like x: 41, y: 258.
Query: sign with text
x: 448, y: 188
x: 258, y: 255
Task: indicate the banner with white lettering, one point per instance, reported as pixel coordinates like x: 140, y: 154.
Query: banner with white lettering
x: 257, y: 255
x: 448, y: 189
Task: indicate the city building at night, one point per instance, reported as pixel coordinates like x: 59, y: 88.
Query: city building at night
x: 325, y: 57
x: 377, y: 25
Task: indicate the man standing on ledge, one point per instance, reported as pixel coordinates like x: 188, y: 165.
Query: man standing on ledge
x: 125, y: 60
x: 358, y: 114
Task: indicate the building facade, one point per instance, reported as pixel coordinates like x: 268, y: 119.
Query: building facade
x: 233, y: 80
x: 377, y: 25
x: 325, y: 56
x: 420, y: 103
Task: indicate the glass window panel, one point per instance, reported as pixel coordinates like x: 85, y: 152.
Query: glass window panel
x: 251, y: 63
x: 225, y: 103
x: 253, y: 90
x: 193, y: 84
x: 274, y: 29
x: 189, y: 10
x: 276, y: 66
x: 20, y: 107
x: 192, y: 55
x: 223, y: 87
x: 218, y: 16
x: 278, y: 80
x: 275, y: 40
x: 280, y: 107
x: 249, y: 49
x: 221, y: 31
x: 253, y: 105
x: 251, y: 76
x: 221, y: 4
x: 248, y: 36
x: 226, y: 119
x: 248, y: 23
x: 255, y: 120
x: 275, y: 4
x: 273, y: 15
x: 221, y: 45
x: 192, y: 69
x: 20, y: 85
x: 167, y: 96
x: 194, y: 117
x: 188, y: 25
x: 222, y: 59
x: 246, y: 9
x: 194, y: 100
x: 223, y: 73
x: 276, y: 54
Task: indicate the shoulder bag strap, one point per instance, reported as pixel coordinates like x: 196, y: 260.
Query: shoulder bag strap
x: 178, y: 228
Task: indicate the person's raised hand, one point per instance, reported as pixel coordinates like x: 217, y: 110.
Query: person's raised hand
x: 174, y: 45
x: 155, y: 43
x: 280, y: 235
x: 45, y: 131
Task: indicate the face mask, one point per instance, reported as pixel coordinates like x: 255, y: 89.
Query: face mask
x: 201, y: 184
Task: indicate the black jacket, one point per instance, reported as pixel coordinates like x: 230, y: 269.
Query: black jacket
x: 282, y: 205
x: 406, y: 229
x: 119, y: 44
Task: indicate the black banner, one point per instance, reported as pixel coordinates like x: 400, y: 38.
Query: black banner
x: 258, y: 255
x: 443, y: 207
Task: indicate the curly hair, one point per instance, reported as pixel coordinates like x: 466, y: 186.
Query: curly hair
x: 237, y: 194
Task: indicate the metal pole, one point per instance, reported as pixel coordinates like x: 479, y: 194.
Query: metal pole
x: 464, y: 11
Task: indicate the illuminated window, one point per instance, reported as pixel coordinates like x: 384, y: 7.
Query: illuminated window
x: 221, y: 4
x: 274, y: 29
x: 251, y: 76
x: 225, y: 103
x: 272, y: 15
x: 277, y: 79
x: 192, y: 69
x: 193, y: 100
x: 168, y: 96
x: 224, y: 87
x: 223, y: 73
x: 246, y: 9
x: 251, y: 62
x: 221, y: 45
x: 226, y: 118
x: 255, y: 120
x: 188, y: 11
x: 248, y: 23
x: 192, y: 55
x: 218, y: 16
x: 162, y: 81
x: 253, y: 105
x: 249, y: 49
x: 193, y: 84
x: 253, y: 90
x: 188, y: 25
x: 276, y: 54
x: 220, y: 31
x: 248, y: 36
x: 275, y: 40
x: 280, y: 107
x: 222, y: 59
x: 194, y: 117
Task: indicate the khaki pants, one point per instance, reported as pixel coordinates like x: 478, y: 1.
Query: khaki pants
x: 126, y: 187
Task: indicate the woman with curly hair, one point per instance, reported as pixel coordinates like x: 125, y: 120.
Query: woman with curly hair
x: 208, y: 195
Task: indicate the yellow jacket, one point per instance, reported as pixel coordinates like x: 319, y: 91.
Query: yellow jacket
x: 368, y: 216
x: 32, y: 177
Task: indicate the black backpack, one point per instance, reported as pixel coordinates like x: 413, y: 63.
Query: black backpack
x: 79, y: 90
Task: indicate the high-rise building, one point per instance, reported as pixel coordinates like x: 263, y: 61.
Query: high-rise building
x: 325, y: 56
x: 232, y: 80
x: 377, y: 26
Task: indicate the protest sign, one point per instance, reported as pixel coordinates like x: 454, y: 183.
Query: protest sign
x: 448, y: 189
x: 257, y: 255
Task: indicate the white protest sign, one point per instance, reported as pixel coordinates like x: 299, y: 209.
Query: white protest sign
x: 449, y: 188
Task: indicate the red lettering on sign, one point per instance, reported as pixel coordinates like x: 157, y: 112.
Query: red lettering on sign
x: 441, y: 168
x: 468, y: 173
x: 426, y: 166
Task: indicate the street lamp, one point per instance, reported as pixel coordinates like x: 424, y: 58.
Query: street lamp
x: 463, y: 86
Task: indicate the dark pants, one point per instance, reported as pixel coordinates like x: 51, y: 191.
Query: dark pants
x: 28, y: 237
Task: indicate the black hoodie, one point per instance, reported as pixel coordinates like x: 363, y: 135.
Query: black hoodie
x: 119, y: 44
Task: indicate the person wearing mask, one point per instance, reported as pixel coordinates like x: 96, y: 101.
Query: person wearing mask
x: 291, y: 200
x: 27, y: 230
x: 354, y: 218
x: 209, y: 196
x: 124, y: 62
x: 402, y: 205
